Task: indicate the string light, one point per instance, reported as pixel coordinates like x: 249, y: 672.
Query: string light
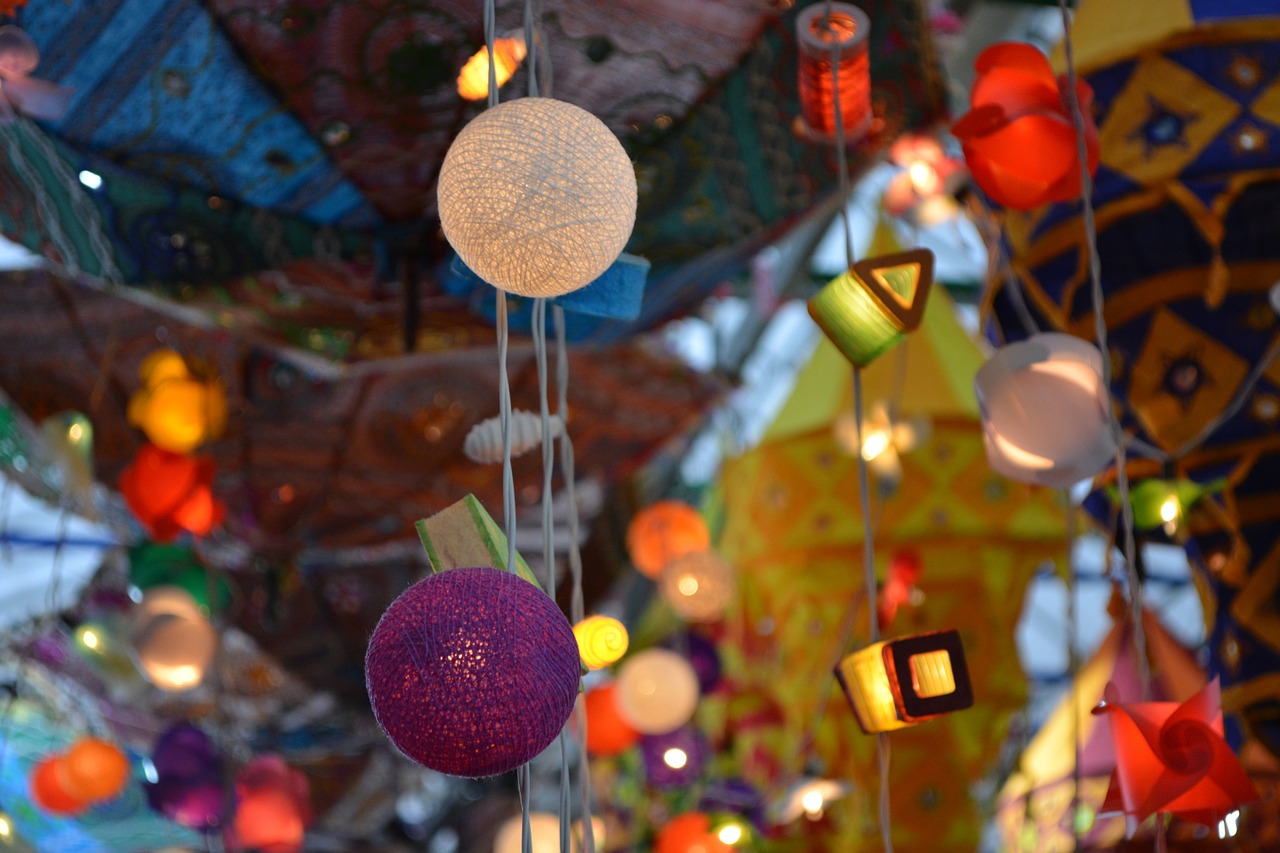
x: 675, y: 758
x: 730, y: 833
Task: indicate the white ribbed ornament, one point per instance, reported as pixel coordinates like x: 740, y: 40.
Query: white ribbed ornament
x: 537, y: 196
x: 483, y: 443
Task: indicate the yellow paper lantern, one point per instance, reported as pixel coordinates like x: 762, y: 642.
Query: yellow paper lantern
x: 178, y: 408
x: 602, y: 640
x: 899, y: 683
x: 1045, y: 413
x: 537, y: 196
x: 657, y: 691
x: 698, y: 586
x: 473, y: 79
x: 173, y: 641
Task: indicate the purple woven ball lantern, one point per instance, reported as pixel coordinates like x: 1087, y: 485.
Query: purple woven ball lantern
x: 472, y: 672
x: 674, y: 759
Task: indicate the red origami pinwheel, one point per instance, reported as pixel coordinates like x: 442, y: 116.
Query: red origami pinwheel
x: 1173, y: 758
x: 1018, y: 136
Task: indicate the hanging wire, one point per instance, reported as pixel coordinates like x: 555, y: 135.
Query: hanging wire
x: 1100, y: 330
x: 869, y: 566
x: 1073, y: 663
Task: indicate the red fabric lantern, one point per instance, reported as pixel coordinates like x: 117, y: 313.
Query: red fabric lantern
x: 607, y: 733
x: 48, y: 792
x: 663, y: 532
x: 274, y: 807
x: 689, y: 833
x: 1018, y: 136
x: 1173, y: 758
x: 170, y: 492
x: 93, y: 770
x: 839, y: 32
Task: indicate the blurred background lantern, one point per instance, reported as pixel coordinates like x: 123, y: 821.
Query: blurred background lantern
x: 188, y: 785
x: 602, y: 640
x: 689, y: 833
x: 867, y: 310
x: 809, y: 797
x: 698, y: 586
x: 662, y: 532
x: 508, y: 52
x: 537, y: 196
x: 674, y: 759
x: 1044, y: 409
x: 48, y: 792
x: 152, y: 564
x: 493, y: 665
x: 174, y: 643
x: 93, y: 770
x: 607, y: 732
x: 901, y: 682
x: 170, y: 493
x: 657, y: 691
x: 1018, y: 137
x: 884, y: 439
x: 544, y: 834
x: 1161, y: 503
x: 177, y: 407
x: 905, y: 569
x: 273, y: 807
x: 834, y: 68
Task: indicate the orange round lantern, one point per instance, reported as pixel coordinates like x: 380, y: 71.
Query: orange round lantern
x: 48, y: 792
x: 689, y: 833
x: 607, y: 732
x: 93, y: 770
x: 169, y: 493
x: 1019, y: 139
x: 180, y: 405
x: 664, y: 532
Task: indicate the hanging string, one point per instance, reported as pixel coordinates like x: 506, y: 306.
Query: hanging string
x: 1100, y: 330
x: 576, y: 606
x: 1073, y: 663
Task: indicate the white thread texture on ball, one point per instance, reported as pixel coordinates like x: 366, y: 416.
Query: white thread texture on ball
x: 537, y: 196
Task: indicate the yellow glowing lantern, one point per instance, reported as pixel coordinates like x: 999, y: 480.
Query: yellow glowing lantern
x: 181, y: 403
x: 870, y: 308
x: 602, y: 640
x: 1045, y: 416
x: 473, y: 80
x: 902, y: 682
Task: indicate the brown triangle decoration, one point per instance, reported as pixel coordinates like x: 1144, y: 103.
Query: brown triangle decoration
x: 900, y: 283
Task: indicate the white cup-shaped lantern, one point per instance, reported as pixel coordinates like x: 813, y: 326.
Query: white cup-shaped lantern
x: 174, y: 643
x: 657, y: 691
x: 1044, y: 410
x: 537, y: 196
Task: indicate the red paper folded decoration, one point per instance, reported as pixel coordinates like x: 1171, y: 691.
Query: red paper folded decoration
x: 1173, y: 758
x: 170, y: 492
x: 1018, y: 136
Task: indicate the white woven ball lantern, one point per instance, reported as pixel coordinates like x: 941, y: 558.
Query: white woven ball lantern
x: 1044, y: 410
x: 657, y: 691
x: 699, y: 586
x: 537, y: 196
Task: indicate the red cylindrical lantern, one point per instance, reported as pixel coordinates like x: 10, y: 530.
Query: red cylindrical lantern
x: 834, y: 67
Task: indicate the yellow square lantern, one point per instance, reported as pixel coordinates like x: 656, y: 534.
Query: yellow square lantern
x: 899, y: 683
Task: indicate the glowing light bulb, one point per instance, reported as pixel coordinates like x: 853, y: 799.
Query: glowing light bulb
x: 688, y: 585
x: 675, y: 758
x: 89, y: 638
x: 6, y: 827
x: 92, y: 180
x: 75, y: 432
x: 730, y: 833
x: 1170, y: 509
x: 813, y: 801
x: 875, y: 443
x: 923, y: 177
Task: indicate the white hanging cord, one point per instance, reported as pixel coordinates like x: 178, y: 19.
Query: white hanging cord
x: 1100, y: 330
x: 576, y: 606
x: 869, y: 565
x: 1073, y: 661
